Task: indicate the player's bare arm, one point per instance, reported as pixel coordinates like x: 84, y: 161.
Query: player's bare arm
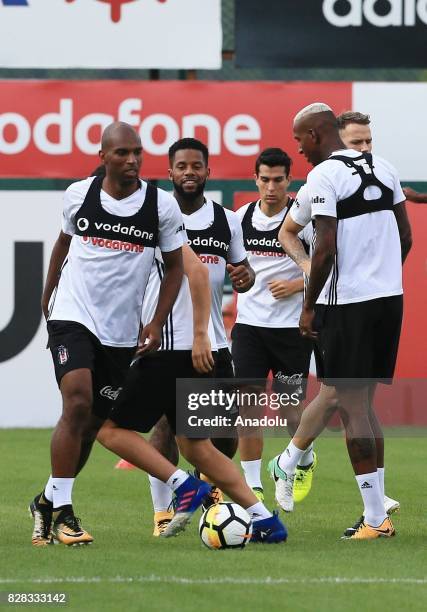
x: 415, y: 196
x: 404, y: 228
x: 241, y: 275
x: 321, y: 264
x: 59, y: 253
x: 281, y: 289
x: 150, y: 336
x: 198, y: 280
x: 292, y: 245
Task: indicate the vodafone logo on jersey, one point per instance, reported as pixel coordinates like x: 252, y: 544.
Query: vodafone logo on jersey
x: 114, y: 245
x: 82, y: 224
x: 208, y: 242
x: 209, y: 259
x: 53, y: 128
x: 253, y: 242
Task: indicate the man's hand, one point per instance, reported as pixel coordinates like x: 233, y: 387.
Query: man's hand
x: 306, y: 323
x: 241, y: 277
x: 150, y: 339
x: 414, y: 196
x: 201, y: 354
x: 282, y: 288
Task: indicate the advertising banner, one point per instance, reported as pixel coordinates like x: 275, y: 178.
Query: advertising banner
x: 331, y: 33
x: 110, y: 34
x: 52, y: 128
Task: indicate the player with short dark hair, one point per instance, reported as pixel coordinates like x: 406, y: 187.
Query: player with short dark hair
x: 265, y: 336
x: 347, y: 117
x: 272, y: 157
x: 354, y: 131
x: 188, y: 144
x: 215, y: 235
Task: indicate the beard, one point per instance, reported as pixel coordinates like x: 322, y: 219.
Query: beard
x: 189, y: 196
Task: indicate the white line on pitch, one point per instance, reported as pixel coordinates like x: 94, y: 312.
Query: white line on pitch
x: 182, y: 580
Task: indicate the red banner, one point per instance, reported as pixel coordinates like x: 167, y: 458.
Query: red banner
x: 52, y: 128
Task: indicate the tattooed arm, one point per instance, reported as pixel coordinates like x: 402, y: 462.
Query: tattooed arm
x: 288, y: 238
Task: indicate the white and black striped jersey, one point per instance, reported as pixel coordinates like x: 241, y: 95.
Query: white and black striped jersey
x: 301, y: 214
x: 215, y: 235
x: 104, y: 276
x: 177, y: 333
x: 360, y: 191
x: 257, y: 306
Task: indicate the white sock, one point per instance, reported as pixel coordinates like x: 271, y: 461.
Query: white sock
x: 307, y: 458
x: 177, y: 479
x: 62, y: 489
x: 373, y: 500
x: 252, y: 471
x: 290, y: 458
x: 381, y: 479
x: 161, y: 494
x: 48, y: 490
x: 258, y: 511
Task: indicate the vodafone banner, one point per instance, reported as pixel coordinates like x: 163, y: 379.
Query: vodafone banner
x: 53, y: 128
x: 110, y: 34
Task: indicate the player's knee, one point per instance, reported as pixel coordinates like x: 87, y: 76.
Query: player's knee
x: 196, y: 451
x: 106, y: 433
x: 77, y: 410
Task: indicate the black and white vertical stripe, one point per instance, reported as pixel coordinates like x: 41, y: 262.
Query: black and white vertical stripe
x: 333, y: 287
x: 167, y: 331
x: 55, y: 291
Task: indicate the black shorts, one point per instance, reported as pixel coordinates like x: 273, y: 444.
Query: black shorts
x: 319, y: 311
x: 73, y: 347
x: 224, y: 364
x: 257, y: 351
x: 359, y: 341
x: 149, y: 391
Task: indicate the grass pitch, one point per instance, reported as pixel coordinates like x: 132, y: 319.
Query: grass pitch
x: 127, y: 569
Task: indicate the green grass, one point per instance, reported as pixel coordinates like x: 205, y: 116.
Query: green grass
x: 116, y: 509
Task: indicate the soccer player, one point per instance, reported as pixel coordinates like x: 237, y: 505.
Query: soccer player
x: 92, y: 301
x: 215, y: 235
x: 355, y: 133
x: 266, y: 336
x: 149, y: 392
x: 362, y: 238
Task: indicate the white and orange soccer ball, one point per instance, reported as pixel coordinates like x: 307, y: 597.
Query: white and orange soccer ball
x: 225, y: 525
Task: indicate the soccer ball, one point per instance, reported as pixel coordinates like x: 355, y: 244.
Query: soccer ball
x: 225, y: 525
